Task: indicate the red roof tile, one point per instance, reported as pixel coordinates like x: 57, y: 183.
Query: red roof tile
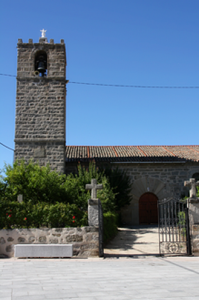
x: 132, y: 153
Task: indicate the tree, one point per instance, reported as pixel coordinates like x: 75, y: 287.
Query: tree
x: 120, y: 184
x: 35, y: 183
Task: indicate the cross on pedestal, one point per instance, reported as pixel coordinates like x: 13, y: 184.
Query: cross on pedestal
x: 192, y: 184
x: 94, y: 187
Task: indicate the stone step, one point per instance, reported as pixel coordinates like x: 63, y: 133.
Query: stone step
x: 43, y: 250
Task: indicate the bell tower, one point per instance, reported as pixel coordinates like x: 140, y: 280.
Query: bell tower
x: 40, y: 122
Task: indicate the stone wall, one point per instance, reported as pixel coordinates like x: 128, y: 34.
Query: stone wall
x: 195, y: 240
x: 193, y: 205
x: 41, y: 105
x: 42, y: 152
x: 85, y: 240
x: 162, y: 179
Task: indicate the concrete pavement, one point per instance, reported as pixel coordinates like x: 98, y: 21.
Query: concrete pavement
x: 139, y: 240
x: 174, y: 278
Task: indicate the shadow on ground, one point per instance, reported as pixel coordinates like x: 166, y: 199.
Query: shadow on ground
x: 134, y: 240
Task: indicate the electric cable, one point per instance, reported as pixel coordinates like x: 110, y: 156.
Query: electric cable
x: 7, y: 147
x: 124, y: 85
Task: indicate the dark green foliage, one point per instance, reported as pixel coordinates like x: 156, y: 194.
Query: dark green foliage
x: 121, y: 185
x: 35, y: 183
x: 29, y: 215
x: 110, y: 227
x: 77, y: 194
x: 52, y: 200
x: 40, y: 184
x: 182, y: 223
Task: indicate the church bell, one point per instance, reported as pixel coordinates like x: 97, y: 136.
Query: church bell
x: 41, y: 65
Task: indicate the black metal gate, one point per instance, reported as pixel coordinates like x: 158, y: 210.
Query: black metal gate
x: 174, y: 236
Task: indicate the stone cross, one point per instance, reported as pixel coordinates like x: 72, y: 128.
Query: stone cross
x: 94, y: 187
x: 43, y: 33
x: 192, y: 184
x: 20, y: 198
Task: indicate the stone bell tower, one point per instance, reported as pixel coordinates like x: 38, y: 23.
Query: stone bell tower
x: 40, y: 124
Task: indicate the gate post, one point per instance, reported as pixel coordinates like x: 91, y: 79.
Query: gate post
x: 95, y: 218
x: 95, y: 213
x: 193, y: 209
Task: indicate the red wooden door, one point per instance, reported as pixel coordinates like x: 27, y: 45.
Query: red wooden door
x: 148, y: 211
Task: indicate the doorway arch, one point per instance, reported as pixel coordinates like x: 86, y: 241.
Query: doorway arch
x: 148, y: 210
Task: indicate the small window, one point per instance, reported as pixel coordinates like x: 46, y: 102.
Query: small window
x: 41, y: 63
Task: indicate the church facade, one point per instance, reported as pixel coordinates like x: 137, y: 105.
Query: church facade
x: 156, y: 172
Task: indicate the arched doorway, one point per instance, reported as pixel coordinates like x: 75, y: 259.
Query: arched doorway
x: 148, y: 211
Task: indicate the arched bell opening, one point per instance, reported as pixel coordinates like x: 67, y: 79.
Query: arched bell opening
x: 41, y: 63
x: 148, y: 209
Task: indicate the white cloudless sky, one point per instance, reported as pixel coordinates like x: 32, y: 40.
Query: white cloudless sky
x: 130, y: 42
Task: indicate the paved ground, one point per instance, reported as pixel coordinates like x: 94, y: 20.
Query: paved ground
x: 126, y: 273
x: 175, y: 278
x: 140, y: 240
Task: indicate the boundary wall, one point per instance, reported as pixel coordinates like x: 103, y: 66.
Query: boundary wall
x: 87, y: 241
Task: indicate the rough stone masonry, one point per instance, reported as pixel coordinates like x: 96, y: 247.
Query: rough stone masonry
x: 41, y: 104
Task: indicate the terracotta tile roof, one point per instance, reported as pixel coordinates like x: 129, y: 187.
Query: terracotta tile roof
x: 132, y: 153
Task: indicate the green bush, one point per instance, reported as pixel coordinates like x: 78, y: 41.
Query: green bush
x: 77, y: 194
x: 110, y: 225
x: 51, y: 199
x: 35, y: 183
x: 40, y: 184
x: 29, y: 215
x: 121, y: 185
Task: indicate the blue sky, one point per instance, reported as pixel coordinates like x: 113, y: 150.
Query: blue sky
x: 130, y: 42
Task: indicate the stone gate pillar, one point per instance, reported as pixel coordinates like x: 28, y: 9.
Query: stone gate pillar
x: 193, y: 206
x: 95, y: 218
x: 95, y: 213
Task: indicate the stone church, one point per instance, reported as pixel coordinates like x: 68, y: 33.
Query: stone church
x: 156, y: 172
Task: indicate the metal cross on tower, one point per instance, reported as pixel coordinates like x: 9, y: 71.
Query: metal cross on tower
x: 192, y: 184
x: 94, y: 187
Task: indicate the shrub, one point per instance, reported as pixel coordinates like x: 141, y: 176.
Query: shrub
x: 77, y: 194
x: 120, y: 184
x: 34, y: 182
x: 40, y: 184
x: 110, y: 225
x: 51, y: 199
x: 29, y: 215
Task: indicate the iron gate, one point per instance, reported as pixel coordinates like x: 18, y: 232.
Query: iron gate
x: 174, y: 236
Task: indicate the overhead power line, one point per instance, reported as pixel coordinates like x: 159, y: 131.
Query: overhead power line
x: 137, y: 86
x: 125, y: 85
x: 7, y: 75
x: 7, y: 147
